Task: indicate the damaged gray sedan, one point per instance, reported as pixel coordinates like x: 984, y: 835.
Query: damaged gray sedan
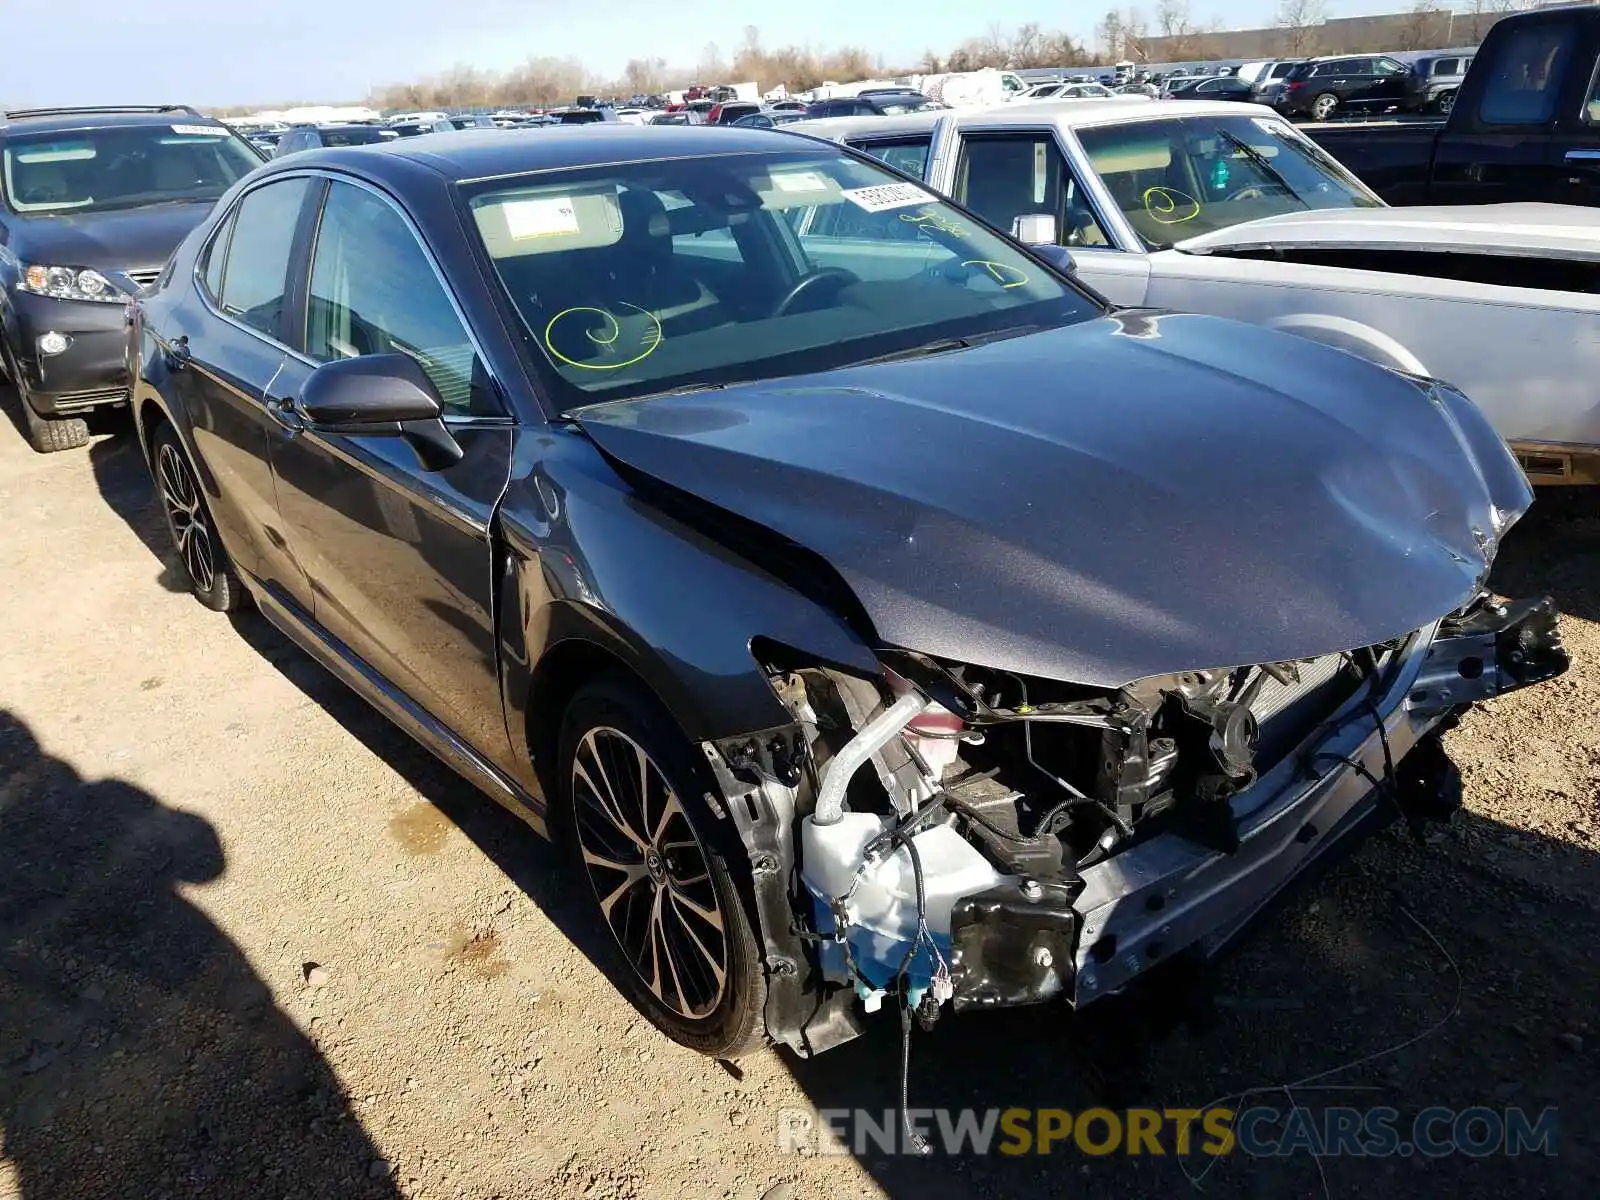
x: 877, y: 617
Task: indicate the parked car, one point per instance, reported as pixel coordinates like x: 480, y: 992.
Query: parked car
x: 1434, y: 82
x: 460, y: 489
x: 1269, y: 83
x: 683, y: 116
x: 1216, y: 87
x: 771, y: 118
x: 266, y: 141
x: 472, y: 121
x: 881, y: 104
x: 410, y: 129
x: 583, y: 116
x: 1525, y: 124
x: 729, y: 111
x: 1320, y: 87
x: 310, y: 137
x: 789, y: 106
x: 1211, y: 208
x: 94, y: 200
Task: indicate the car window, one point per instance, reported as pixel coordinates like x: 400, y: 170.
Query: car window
x: 216, y: 257
x: 1446, y: 66
x: 906, y: 154
x: 257, y: 271
x: 1388, y: 66
x: 1177, y: 178
x: 832, y: 260
x: 1282, y: 69
x: 1524, y: 78
x: 1591, y: 110
x: 353, y: 309
x: 1004, y: 176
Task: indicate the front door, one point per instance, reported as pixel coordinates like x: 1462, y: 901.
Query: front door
x: 400, y: 559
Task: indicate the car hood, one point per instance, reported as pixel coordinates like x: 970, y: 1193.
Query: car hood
x: 1137, y: 495
x: 134, y: 239
x: 1542, y: 230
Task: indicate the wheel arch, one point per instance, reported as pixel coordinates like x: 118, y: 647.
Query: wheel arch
x: 1356, y: 338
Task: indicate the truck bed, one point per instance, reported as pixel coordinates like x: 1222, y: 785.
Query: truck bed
x: 1392, y: 157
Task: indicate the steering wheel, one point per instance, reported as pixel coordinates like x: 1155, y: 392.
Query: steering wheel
x: 1250, y: 191
x: 837, y: 276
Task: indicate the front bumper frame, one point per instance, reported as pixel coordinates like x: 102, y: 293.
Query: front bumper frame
x: 91, y: 372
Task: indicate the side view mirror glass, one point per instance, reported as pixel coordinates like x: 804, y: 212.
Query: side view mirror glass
x: 1034, y: 229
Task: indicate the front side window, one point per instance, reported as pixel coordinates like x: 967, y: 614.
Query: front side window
x: 1591, y: 109
x: 1388, y: 66
x: 1525, y: 77
x: 256, y: 275
x: 97, y: 170
x: 638, y: 278
x: 1005, y: 176
x: 1178, y: 178
x: 373, y: 291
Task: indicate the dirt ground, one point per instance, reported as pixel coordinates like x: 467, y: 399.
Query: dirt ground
x: 254, y: 942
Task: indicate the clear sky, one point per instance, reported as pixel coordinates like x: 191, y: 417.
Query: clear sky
x: 266, y: 51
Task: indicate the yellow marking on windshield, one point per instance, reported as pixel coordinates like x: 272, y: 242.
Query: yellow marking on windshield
x: 930, y: 220
x: 1000, y: 271
x: 1169, y: 206
x: 651, y: 339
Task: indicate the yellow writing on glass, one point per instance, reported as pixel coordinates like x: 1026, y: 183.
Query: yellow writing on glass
x: 932, y: 221
x: 650, y: 339
x: 1169, y: 206
x: 1004, y: 274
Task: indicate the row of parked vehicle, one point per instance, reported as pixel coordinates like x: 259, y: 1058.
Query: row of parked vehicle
x: 744, y: 508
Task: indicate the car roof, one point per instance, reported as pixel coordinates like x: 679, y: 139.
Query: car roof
x: 71, y: 120
x: 1066, y: 114
x: 487, y: 154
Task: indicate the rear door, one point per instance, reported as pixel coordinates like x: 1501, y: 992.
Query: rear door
x: 234, y: 360
x: 399, y: 558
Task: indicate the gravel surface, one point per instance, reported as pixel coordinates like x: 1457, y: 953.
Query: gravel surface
x: 255, y: 943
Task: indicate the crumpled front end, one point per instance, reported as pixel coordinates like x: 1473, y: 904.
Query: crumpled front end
x: 975, y: 836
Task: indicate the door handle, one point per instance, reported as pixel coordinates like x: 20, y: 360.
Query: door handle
x: 285, y: 413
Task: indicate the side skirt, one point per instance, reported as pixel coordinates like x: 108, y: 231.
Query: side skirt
x: 411, y: 717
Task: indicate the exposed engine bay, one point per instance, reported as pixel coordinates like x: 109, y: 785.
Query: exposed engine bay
x: 972, y: 835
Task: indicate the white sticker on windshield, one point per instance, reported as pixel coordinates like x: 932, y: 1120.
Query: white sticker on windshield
x: 884, y: 196
x: 799, y: 181
x: 547, y: 217
x: 200, y: 131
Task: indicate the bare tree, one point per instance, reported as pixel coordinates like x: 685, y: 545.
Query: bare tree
x: 1300, y: 21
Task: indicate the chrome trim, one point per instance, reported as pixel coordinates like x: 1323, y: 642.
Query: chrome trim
x: 1583, y: 156
x: 416, y: 234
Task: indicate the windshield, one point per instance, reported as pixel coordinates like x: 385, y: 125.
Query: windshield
x: 93, y: 170
x: 1182, y: 177
x: 646, y: 277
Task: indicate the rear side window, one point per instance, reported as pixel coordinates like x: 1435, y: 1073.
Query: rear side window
x: 1591, y: 109
x: 216, y: 256
x: 1447, y: 66
x: 907, y: 154
x: 1525, y: 76
x: 257, y: 271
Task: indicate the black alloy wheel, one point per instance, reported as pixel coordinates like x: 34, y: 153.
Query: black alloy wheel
x: 211, y: 574
x: 638, y: 830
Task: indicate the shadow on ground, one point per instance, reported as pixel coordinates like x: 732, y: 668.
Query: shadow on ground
x: 140, y: 1055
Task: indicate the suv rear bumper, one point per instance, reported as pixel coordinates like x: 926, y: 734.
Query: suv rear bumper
x: 91, y: 371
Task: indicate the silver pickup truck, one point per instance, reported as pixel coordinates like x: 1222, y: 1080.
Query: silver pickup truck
x: 1227, y: 209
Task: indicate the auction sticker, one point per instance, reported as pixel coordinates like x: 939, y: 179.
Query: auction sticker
x: 884, y: 196
x: 200, y: 131
x: 540, y: 218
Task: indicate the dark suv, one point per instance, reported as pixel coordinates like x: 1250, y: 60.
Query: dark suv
x: 313, y: 137
x: 1321, y: 87
x: 92, y: 201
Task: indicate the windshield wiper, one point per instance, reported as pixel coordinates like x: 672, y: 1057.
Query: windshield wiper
x: 945, y: 345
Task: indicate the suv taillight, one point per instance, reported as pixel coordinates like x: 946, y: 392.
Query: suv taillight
x: 1296, y: 84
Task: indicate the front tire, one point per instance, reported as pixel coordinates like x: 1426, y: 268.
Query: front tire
x: 636, y: 828
x: 1445, y: 104
x: 212, y: 578
x: 1324, y: 106
x: 47, y: 435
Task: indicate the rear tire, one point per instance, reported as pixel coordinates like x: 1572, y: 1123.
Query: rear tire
x: 1445, y: 104
x: 657, y: 865
x: 1324, y: 106
x: 212, y: 578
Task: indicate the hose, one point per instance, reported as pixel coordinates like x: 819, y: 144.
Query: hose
x: 873, y: 736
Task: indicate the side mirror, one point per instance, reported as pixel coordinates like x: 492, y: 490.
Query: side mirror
x: 1058, y: 257
x: 1034, y: 229
x: 379, y: 395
